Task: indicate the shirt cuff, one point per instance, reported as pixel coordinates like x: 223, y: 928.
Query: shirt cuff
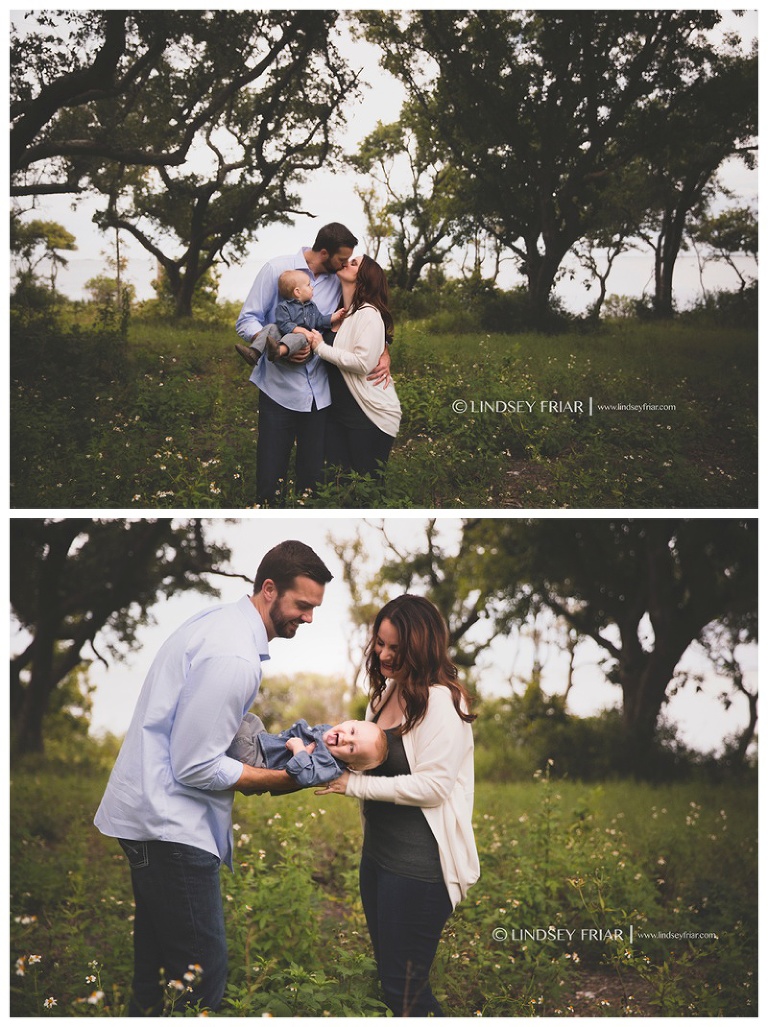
x: 228, y: 774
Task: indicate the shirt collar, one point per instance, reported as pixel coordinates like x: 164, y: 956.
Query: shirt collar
x: 256, y: 624
x: 305, y: 266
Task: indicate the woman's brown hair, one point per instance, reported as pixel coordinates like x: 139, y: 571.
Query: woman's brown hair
x: 371, y: 287
x: 422, y: 659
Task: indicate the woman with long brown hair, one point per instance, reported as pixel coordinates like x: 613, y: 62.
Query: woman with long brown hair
x: 364, y: 419
x: 419, y: 856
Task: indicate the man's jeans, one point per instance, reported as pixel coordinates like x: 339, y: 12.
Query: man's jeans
x: 278, y: 429
x: 405, y: 919
x: 178, y: 928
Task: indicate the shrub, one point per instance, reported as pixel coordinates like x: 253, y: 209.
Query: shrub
x: 726, y: 309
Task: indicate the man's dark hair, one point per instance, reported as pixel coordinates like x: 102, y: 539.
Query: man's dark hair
x: 288, y: 561
x: 332, y: 237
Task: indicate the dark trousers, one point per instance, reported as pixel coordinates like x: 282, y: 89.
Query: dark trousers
x: 279, y: 428
x: 405, y: 919
x: 364, y: 449
x: 178, y: 927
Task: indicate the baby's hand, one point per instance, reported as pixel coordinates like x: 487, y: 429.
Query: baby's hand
x: 338, y: 316
x: 296, y: 746
x: 315, y: 339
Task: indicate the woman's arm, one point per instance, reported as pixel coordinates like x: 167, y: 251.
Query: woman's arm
x: 358, y: 345
x: 440, y: 742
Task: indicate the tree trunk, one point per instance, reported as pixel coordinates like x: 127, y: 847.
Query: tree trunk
x: 745, y: 738
x: 666, y: 255
x: 183, y: 298
x: 27, y: 727
x: 644, y: 694
x: 542, y: 271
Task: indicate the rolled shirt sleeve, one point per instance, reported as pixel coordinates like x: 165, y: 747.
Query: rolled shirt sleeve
x: 208, y: 716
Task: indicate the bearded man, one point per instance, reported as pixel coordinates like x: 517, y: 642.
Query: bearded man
x: 169, y: 797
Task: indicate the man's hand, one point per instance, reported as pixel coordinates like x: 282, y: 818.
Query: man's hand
x: 339, y: 785
x: 301, y: 355
x: 380, y: 374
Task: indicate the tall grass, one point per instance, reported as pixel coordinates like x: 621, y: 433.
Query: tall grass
x: 168, y: 419
x: 636, y: 900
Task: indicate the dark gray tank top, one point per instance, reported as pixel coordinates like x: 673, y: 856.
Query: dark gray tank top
x: 399, y: 838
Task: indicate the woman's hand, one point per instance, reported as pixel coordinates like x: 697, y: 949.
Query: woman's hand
x: 339, y: 785
x: 315, y: 339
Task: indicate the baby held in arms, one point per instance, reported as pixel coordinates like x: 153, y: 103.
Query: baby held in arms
x: 352, y: 745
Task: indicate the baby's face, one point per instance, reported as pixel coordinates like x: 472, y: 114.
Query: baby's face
x: 304, y: 292
x: 355, y: 742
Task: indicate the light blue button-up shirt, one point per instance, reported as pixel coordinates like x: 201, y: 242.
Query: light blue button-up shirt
x: 172, y: 780
x: 294, y: 386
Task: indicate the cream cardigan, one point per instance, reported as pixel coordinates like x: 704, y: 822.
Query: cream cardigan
x: 356, y: 350
x: 440, y: 751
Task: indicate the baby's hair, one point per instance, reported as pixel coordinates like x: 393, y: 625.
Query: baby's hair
x: 288, y: 281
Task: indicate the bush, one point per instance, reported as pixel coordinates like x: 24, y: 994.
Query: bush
x: 476, y: 305
x: 521, y: 734
x: 727, y: 309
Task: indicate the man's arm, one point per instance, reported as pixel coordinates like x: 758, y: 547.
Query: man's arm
x: 257, y: 780
x: 258, y: 302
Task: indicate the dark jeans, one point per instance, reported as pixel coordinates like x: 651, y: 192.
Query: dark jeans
x: 179, y: 924
x: 279, y: 428
x: 362, y: 449
x: 405, y: 919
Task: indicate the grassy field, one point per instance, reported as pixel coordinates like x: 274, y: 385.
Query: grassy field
x: 169, y: 420
x: 636, y: 900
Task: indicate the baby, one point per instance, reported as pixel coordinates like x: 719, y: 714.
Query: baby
x: 296, y: 318
x: 354, y: 745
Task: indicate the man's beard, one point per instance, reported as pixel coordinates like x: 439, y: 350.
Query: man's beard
x: 283, y: 626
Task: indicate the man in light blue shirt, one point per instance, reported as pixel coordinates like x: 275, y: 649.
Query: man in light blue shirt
x: 295, y: 395
x: 169, y: 797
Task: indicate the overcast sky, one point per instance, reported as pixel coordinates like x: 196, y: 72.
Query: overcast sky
x: 330, y: 196
x: 322, y: 646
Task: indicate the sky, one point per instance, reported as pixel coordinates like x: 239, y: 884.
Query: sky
x: 330, y: 196
x: 321, y: 647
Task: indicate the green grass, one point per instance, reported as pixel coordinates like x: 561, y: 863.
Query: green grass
x: 677, y: 860
x: 169, y: 420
